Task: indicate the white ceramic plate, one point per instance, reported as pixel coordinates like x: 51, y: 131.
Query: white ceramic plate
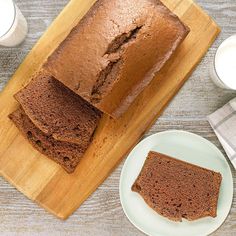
x: 184, y: 146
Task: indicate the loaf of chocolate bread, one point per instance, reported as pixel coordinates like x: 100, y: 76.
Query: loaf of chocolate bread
x: 57, y: 111
x: 116, y: 50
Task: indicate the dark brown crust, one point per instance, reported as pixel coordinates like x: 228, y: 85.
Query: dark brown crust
x: 176, y: 189
x: 142, y: 35
x: 65, y: 154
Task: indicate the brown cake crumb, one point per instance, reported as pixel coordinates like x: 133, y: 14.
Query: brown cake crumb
x: 66, y: 154
x: 176, y: 189
x: 57, y: 111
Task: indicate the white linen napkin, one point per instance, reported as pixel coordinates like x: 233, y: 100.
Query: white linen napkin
x: 223, y: 122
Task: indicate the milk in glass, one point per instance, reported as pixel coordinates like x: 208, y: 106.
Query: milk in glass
x: 224, y: 69
x: 13, y: 26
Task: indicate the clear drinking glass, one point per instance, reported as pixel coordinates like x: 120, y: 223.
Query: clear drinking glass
x: 223, y: 68
x: 13, y: 25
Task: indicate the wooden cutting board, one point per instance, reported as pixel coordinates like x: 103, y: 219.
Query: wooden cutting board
x: 45, y: 182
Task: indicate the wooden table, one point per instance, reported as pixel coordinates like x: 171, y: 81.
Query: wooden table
x: 102, y: 214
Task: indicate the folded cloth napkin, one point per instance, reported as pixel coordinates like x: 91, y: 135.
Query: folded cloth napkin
x: 223, y: 122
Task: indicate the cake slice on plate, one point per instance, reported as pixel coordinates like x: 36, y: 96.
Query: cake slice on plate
x: 176, y: 189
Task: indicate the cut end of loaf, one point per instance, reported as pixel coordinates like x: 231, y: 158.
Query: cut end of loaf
x: 57, y: 111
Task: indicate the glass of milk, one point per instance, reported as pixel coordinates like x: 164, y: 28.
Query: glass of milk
x: 13, y: 25
x: 223, y: 71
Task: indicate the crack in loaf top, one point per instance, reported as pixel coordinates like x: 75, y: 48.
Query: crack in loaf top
x: 115, y: 51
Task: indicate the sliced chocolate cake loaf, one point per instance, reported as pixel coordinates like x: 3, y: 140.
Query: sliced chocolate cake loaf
x: 116, y: 50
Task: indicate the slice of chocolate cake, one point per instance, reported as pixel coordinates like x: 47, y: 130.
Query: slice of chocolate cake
x: 57, y: 111
x: 176, y: 189
x: 66, y: 154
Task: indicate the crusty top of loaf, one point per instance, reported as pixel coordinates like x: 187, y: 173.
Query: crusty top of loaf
x: 58, y: 111
x: 116, y: 50
x: 177, y: 189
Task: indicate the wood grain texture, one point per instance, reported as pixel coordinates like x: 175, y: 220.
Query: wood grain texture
x: 102, y: 214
